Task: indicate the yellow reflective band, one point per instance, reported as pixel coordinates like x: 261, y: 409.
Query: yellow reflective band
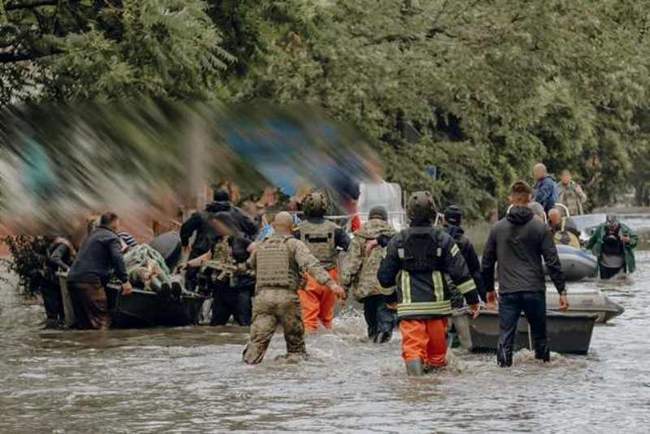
x: 438, y: 286
x: 466, y: 286
x: 454, y: 250
x: 406, y: 287
x: 425, y: 308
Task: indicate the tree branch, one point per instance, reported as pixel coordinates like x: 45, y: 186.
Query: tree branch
x: 30, y: 4
x: 12, y: 57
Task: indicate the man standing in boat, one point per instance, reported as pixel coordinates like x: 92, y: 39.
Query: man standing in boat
x: 518, y: 243
x: 99, y: 258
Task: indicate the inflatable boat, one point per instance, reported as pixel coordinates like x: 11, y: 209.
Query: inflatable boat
x: 576, y: 264
x: 568, y: 333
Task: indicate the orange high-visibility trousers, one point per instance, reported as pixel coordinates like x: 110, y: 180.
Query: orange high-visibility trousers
x: 318, y: 303
x: 424, y: 340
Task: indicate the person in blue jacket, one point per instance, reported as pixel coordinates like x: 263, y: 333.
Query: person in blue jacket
x: 545, y: 188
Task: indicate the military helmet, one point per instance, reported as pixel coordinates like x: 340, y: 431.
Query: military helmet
x: 420, y: 206
x: 315, y: 204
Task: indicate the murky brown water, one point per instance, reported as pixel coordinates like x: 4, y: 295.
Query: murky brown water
x: 192, y: 379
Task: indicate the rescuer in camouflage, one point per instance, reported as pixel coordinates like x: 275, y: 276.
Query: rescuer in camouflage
x: 359, y: 272
x: 279, y: 262
x: 324, y: 239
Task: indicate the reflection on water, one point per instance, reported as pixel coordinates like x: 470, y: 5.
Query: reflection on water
x: 192, y: 379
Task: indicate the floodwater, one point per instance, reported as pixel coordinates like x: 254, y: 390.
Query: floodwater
x: 192, y: 379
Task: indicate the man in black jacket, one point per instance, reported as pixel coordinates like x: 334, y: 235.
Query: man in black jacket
x: 99, y: 258
x: 453, y: 221
x: 518, y: 242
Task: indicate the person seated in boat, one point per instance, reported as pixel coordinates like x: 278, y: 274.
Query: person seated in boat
x: 563, y: 228
x: 613, y: 243
x: 226, y: 274
x: 538, y: 211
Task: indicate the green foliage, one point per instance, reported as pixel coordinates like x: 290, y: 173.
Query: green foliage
x: 27, y: 260
x: 481, y: 89
x: 105, y: 50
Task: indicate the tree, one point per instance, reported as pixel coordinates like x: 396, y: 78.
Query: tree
x: 105, y: 49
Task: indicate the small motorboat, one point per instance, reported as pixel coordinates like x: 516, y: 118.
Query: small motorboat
x: 576, y: 264
x: 568, y: 333
x: 589, y: 301
x: 151, y: 309
x: 143, y: 308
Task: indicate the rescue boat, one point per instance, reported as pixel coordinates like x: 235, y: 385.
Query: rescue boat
x: 568, y: 333
x: 576, y: 264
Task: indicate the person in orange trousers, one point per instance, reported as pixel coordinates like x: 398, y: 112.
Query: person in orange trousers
x: 425, y: 340
x: 417, y: 261
x: 318, y: 303
x: 324, y: 239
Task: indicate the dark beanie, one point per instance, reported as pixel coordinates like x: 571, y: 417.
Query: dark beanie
x: 221, y: 196
x: 453, y: 215
x: 378, y: 212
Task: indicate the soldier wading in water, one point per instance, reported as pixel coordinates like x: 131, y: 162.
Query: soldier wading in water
x: 279, y: 262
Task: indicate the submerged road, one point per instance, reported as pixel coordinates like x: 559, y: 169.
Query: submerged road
x: 192, y: 379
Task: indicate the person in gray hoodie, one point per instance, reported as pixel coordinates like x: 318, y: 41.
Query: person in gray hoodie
x: 518, y: 243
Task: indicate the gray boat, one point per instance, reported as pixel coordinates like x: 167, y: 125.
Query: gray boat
x: 590, y: 301
x: 568, y: 333
x: 576, y: 264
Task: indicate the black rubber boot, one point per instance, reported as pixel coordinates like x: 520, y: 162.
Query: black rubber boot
x: 414, y: 368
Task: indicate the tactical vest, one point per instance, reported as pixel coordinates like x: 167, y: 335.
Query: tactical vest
x: 420, y: 249
x: 320, y: 239
x: 275, y: 268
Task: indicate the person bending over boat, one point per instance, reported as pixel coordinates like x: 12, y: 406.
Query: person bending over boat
x: 563, y: 228
x: 613, y: 243
x: 518, y: 242
x: 99, y: 258
x: 225, y: 273
x: 359, y: 272
x: 279, y: 263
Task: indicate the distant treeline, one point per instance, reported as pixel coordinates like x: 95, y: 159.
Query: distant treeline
x: 479, y: 90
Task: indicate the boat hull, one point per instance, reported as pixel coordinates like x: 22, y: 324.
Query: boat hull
x: 576, y: 264
x: 568, y: 333
x: 149, y: 309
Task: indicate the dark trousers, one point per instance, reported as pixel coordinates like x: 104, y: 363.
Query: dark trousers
x: 608, y: 273
x: 235, y: 302
x: 90, y: 306
x: 379, y: 318
x: 53, y: 303
x: 533, y: 304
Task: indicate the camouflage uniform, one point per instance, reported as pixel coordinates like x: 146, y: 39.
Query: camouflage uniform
x: 231, y: 284
x: 278, y: 262
x: 359, y: 272
x: 569, y: 196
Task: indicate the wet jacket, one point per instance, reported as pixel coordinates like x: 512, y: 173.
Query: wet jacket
x: 469, y: 254
x: 359, y: 268
x: 518, y: 242
x: 99, y: 258
x: 595, y: 244
x: 421, y: 256
x: 328, y: 233
x: 569, y: 196
x: 545, y: 193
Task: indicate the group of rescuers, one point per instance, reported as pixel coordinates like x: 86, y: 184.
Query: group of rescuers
x: 407, y: 278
